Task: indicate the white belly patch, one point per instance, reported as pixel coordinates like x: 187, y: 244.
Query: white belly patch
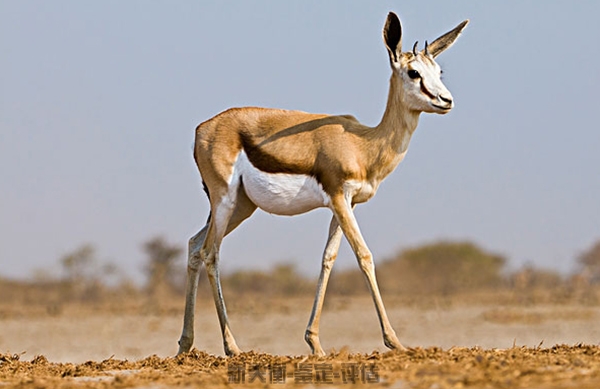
x: 280, y: 193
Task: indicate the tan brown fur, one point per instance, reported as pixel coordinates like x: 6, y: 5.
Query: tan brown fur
x: 343, y: 157
x: 331, y: 148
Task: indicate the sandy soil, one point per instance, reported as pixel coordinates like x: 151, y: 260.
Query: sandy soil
x: 450, y: 346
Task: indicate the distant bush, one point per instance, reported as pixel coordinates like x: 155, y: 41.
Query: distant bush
x: 282, y: 280
x: 531, y: 285
x: 440, y: 268
x: 85, y: 278
x: 435, y: 270
x: 530, y: 277
x: 163, y: 275
x: 348, y: 282
x: 589, y: 261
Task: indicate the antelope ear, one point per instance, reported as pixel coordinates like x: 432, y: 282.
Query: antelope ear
x: 392, y: 36
x: 436, y: 47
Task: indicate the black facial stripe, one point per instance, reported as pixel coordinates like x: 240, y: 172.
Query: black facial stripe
x: 425, y: 91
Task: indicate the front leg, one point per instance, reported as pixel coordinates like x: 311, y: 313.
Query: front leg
x: 329, y: 255
x: 345, y: 216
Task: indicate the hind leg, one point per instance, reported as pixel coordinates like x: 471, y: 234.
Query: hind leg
x: 194, y: 261
x: 243, y: 209
x: 228, y: 217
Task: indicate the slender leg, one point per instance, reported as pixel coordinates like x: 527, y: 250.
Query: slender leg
x: 329, y: 255
x: 210, y: 255
x: 194, y: 261
x: 343, y: 212
x: 229, y: 344
x: 243, y: 209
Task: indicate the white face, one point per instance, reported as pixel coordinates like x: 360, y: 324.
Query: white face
x: 422, y: 84
x: 422, y: 87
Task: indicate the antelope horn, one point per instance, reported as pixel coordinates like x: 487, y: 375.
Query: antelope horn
x: 426, y: 48
x: 415, y: 48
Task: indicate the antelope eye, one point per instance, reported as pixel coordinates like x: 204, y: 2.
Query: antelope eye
x: 413, y: 74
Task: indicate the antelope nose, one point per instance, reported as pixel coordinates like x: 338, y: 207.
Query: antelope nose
x: 446, y: 99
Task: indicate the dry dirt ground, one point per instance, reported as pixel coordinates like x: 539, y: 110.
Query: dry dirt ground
x: 450, y: 346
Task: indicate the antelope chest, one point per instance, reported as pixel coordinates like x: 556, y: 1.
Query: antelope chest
x: 280, y: 193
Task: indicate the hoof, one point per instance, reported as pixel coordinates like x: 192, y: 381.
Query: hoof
x: 314, y: 344
x: 185, y: 345
x: 232, y: 351
x: 393, y: 344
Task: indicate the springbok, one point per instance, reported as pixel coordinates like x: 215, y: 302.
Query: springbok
x: 291, y: 162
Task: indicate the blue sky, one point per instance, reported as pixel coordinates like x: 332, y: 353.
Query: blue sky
x: 99, y: 101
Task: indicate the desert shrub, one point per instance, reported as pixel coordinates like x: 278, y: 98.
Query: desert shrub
x: 530, y: 277
x: 442, y: 268
x: 247, y: 281
x: 531, y: 285
x: 164, y: 275
x: 283, y: 279
x: 347, y: 282
x: 83, y: 275
x: 589, y: 262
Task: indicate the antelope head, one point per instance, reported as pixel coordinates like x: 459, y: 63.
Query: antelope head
x: 422, y: 89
